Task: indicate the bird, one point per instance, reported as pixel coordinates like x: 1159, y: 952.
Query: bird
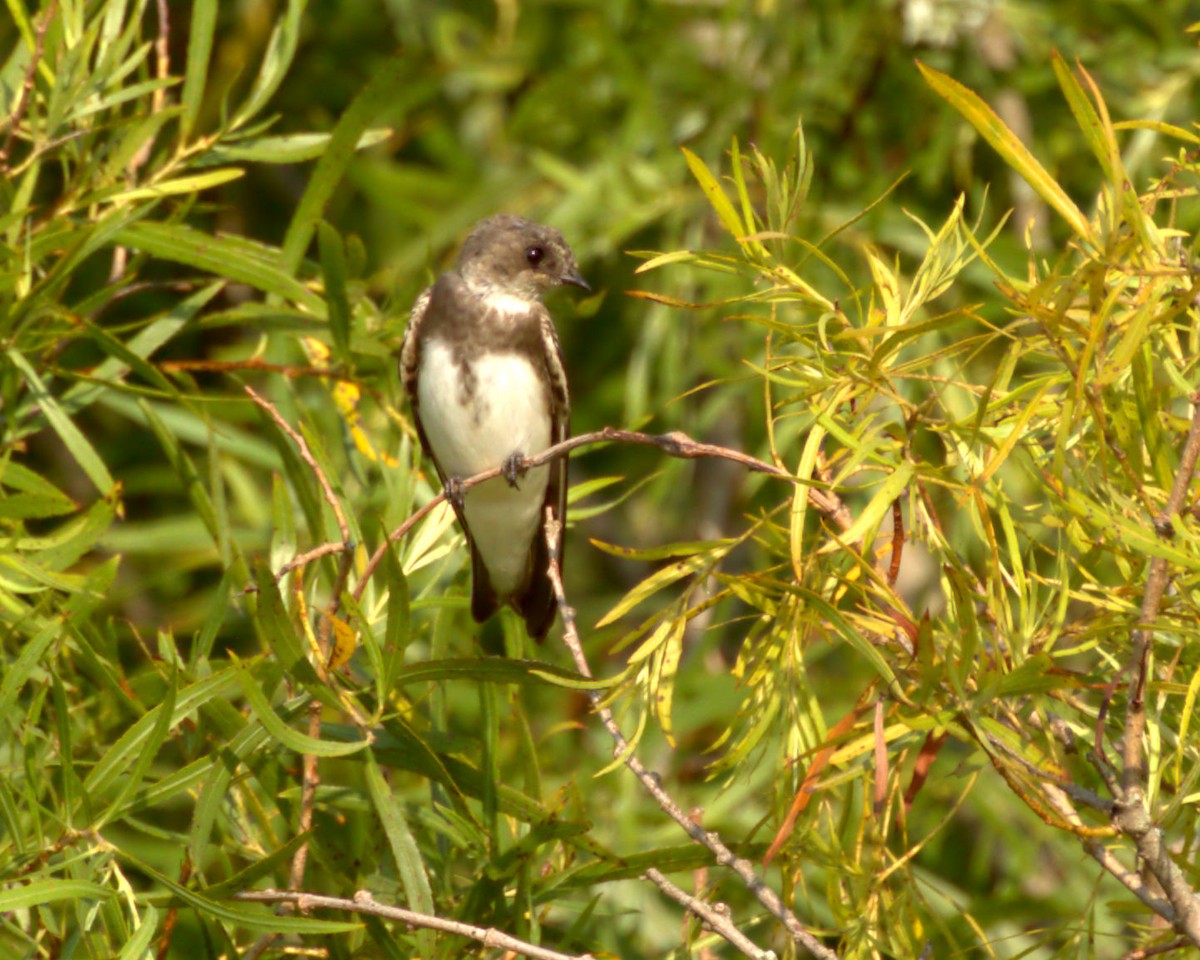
x: 483, y: 371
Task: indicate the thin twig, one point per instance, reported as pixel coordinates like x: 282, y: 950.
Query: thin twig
x: 881, y: 761
x: 709, y: 839
x: 1144, y: 952
x: 1156, y: 588
x: 364, y: 904
x: 897, y: 542
x: 397, y: 534
x: 158, y: 100
x: 22, y: 104
x: 714, y: 915
x: 675, y: 444
x: 162, y: 51
x: 1088, y: 798
x: 307, y: 457
x: 310, y: 770
x: 303, y: 559
x: 291, y: 371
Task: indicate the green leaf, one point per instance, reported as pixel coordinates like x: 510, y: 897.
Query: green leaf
x: 879, y: 506
x: 380, y: 92
x: 804, y: 472
x: 262, y: 867
x: 64, y: 546
x: 224, y: 256
x: 147, y: 751
x: 855, y: 638
x: 398, y: 633
x: 51, y: 891
x: 200, y: 42
x: 248, y: 918
x: 27, y: 506
x: 664, y: 578
x: 279, y: 635
x: 281, y: 49
x: 292, y: 739
x: 17, y: 672
x: 127, y: 748
x: 123, y: 355
x: 289, y: 148
x: 417, y: 893
x: 191, y: 184
x: 136, y: 946
x: 665, y: 552
x: 74, y: 440
x: 333, y: 266
x: 496, y: 670
x: 182, y: 464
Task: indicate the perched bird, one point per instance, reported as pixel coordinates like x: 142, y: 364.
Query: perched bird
x: 483, y: 371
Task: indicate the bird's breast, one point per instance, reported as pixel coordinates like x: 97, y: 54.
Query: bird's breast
x: 477, y: 410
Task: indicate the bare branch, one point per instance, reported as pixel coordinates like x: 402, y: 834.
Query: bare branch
x: 291, y: 371
x: 709, y: 839
x: 306, y: 455
x: 1130, y: 813
x: 675, y: 444
x: 1105, y: 857
x: 715, y: 916
x: 365, y: 905
x: 310, y: 770
x: 397, y: 534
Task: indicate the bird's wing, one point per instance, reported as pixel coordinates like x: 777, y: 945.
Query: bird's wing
x: 410, y: 365
x: 410, y: 354
x: 538, y: 603
x: 483, y: 598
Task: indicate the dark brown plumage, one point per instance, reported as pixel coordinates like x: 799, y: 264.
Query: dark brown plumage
x: 482, y: 368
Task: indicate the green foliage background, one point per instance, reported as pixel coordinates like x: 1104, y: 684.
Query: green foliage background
x: 845, y: 298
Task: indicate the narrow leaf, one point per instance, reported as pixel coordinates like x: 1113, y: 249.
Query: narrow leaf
x: 72, y: 437
x: 716, y: 196
x: 1009, y: 146
x: 379, y: 92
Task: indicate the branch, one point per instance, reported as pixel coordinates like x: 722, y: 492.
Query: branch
x: 674, y: 444
x: 709, y: 839
x: 310, y: 770
x: 307, y: 457
x: 1144, y: 952
x: 162, y: 52
x: 1107, y: 859
x: 1131, y: 815
x: 714, y: 915
x: 365, y: 905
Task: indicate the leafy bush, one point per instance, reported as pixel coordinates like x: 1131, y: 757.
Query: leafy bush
x: 925, y: 667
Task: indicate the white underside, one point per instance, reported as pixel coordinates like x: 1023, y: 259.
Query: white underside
x: 507, y: 413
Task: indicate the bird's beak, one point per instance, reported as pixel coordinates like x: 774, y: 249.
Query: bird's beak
x: 575, y: 280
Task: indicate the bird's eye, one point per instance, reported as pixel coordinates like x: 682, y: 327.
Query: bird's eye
x: 534, y: 255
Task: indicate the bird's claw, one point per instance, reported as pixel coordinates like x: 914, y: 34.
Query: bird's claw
x: 514, y: 469
x: 453, y: 488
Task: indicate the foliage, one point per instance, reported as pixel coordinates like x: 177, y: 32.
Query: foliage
x: 906, y: 680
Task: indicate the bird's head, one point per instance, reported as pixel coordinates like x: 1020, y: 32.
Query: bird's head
x: 518, y: 257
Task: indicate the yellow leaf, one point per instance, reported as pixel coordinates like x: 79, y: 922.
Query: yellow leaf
x: 1009, y: 146
x: 345, y: 642
x: 716, y: 196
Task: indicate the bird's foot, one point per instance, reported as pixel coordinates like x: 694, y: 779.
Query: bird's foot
x: 514, y: 469
x: 453, y: 488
